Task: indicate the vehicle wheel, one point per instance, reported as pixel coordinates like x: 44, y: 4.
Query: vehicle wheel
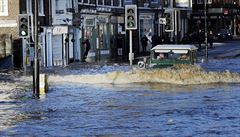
x: 141, y: 64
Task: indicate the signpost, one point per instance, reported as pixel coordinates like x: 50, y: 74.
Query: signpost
x: 130, y: 24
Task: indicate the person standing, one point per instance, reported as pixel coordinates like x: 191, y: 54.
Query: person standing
x: 144, y: 41
x: 87, y: 48
x: 154, y: 40
x: 210, y: 38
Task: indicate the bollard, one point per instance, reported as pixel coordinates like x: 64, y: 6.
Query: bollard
x: 43, y: 85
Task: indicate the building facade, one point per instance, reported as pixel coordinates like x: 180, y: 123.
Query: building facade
x: 220, y: 14
x: 9, y: 41
x: 66, y: 24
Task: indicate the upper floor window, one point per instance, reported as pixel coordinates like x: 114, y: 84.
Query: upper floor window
x: 193, y: 2
x: 100, y: 2
x: 41, y: 7
x: 85, y: 1
x: 93, y: 2
x: 199, y: 1
x: 116, y: 3
x: 108, y: 2
x: 3, y: 7
x: 59, y: 5
x: 69, y: 6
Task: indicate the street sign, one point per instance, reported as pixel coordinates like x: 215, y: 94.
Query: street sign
x: 162, y: 21
x: 58, y: 30
x: 131, y: 17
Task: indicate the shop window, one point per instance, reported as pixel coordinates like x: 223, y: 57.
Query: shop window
x: 85, y: 1
x: 3, y: 7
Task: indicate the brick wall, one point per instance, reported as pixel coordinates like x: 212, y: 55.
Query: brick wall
x: 13, y: 12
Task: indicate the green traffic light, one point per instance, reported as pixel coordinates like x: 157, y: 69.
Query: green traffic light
x: 23, y: 33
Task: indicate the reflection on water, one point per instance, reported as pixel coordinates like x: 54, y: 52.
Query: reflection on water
x: 132, y: 110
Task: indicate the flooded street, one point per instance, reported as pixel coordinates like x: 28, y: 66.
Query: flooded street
x: 73, y: 108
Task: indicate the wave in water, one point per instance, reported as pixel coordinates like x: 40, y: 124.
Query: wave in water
x: 181, y: 74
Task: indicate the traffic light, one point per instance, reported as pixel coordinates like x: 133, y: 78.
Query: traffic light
x: 23, y: 25
x: 168, y: 25
x: 131, y: 17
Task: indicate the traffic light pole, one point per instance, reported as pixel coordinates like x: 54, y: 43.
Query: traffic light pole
x: 162, y: 15
x: 36, y: 63
x: 130, y: 48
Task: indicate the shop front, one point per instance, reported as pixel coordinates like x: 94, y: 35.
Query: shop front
x: 98, y: 30
x: 146, y: 28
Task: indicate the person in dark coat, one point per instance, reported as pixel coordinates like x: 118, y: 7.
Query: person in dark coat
x: 154, y: 40
x: 87, y: 48
x: 144, y: 41
x: 210, y: 39
x: 185, y: 39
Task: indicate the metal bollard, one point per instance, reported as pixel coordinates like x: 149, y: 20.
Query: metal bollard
x: 43, y: 85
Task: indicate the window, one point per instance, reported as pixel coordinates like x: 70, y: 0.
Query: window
x: 116, y: 3
x: 59, y: 7
x: 85, y: 1
x: 69, y: 6
x: 3, y: 7
x: 193, y: 2
x: 41, y: 7
x: 108, y: 2
x: 100, y: 2
x: 199, y: 1
x: 92, y: 1
x: 29, y: 6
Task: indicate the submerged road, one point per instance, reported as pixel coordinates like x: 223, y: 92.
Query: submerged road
x: 136, y: 110
x: 222, y: 49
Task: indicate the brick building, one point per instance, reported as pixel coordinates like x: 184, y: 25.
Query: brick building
x: 9, y: 41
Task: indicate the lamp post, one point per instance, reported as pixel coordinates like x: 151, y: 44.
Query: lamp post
x: 205, y: 21
x: 162, y: 15
x: 36, y: 62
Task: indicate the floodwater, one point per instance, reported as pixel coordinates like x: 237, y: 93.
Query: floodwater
x: 145, y: 109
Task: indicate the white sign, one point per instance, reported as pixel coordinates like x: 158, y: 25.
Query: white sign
x: 8, y: 23
x: 58, y: 30
x: 104, y: 52
x: 162, y: 21
x: 182, y: 3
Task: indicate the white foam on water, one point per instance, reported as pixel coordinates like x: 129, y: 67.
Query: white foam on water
x: 181, y: 74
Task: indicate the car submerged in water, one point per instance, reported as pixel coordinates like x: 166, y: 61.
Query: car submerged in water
x: 168, y: 55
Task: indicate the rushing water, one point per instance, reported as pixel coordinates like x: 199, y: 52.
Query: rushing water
x: 143, y: 109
